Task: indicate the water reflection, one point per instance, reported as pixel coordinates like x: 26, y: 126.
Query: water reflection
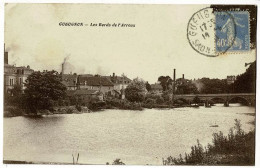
x: 136, y: 137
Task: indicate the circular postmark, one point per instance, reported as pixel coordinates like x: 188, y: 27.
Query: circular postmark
x: 211, y: 33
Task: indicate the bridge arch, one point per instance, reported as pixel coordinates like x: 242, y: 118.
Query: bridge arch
x: 185, y: 101
x: 242, y: 100
x: 223, y: 100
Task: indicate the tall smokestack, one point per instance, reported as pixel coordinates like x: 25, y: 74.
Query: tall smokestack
x: 174, y: 78
x: 182, y: 76
x: 62, y: 68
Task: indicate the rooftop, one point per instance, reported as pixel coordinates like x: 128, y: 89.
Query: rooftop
x: 95, y: 81
x: 82, y: 92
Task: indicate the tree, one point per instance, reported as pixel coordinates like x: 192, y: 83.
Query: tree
x: 148, y: 87
x: 212, y: 86
x: 165, y: 82
x: 246, y: 82
x: 17, y: 90
x: 43, y: 89
x: 187, y: 88
x: 14, y: 97
x: 136, y: 90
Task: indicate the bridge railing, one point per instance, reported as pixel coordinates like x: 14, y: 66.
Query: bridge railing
x: 214, y: 95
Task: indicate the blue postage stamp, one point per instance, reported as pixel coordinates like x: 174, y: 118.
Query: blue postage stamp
x: 232, y: 31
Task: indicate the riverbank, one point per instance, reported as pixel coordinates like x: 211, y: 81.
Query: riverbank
x: 235, y: 149
x: 12, y: 111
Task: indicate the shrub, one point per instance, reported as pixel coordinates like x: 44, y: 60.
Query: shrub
x: 167, y: 96
x: 150, y: 101
x: 78, y: 107
x: 159, y: 100
x: 151, y: 96
x: 118, y: 162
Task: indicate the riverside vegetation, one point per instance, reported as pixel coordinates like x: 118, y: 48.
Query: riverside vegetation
x: 45, y: 94
x: 237, y: 148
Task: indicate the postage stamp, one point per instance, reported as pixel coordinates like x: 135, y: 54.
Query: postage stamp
x: 212, y: 33
x: 232, y: 31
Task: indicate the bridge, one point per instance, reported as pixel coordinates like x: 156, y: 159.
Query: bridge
x: 248, y: 98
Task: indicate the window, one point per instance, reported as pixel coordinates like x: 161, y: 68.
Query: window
x: 11, y: 82
x: 21, y: 81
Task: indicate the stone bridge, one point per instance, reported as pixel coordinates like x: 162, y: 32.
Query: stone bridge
x: 249, y: 98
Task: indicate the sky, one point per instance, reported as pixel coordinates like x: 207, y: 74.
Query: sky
x: 154, y: 47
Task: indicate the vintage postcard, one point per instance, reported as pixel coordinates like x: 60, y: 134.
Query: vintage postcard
x: 129, y: 84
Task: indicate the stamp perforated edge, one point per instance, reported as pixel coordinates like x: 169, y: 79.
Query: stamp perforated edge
x: 249, y: 31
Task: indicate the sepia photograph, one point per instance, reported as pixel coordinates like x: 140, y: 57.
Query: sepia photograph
x: 129, y: 84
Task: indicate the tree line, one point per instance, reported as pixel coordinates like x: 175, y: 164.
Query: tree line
x: 244, y: 83
x: 44, y: 90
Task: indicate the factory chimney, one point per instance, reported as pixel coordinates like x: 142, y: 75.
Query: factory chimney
x: 173, y: 85
x: 62, y: 68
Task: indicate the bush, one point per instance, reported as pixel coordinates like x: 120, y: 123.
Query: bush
x: 123, y: 104
x: 150, y: 101
x: 159, y: 100
x: 167, y: 96
x: 93, y: 105
x: 118, y: 162
x: 135, y: 91
x: 151, y: 96
x: 78, y: 107
x: 12, y: 111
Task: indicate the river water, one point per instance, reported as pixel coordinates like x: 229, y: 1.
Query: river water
x: 136, y: 137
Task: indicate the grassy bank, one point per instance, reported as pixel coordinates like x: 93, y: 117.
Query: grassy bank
x: 14, y: 111
x: 237, y: 148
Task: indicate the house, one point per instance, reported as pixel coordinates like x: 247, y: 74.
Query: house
x: 15, y: 75
x: 98, y: 83
x: 70, y: 81
x: 114, y: 93
x: 120, y: 82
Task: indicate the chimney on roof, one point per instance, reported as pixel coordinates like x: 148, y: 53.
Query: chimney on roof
x: 113, y: 75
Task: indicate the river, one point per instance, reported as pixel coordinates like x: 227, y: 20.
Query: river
x: 136, y: 137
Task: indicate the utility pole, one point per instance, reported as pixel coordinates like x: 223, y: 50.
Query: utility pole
x: 173, y: 84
